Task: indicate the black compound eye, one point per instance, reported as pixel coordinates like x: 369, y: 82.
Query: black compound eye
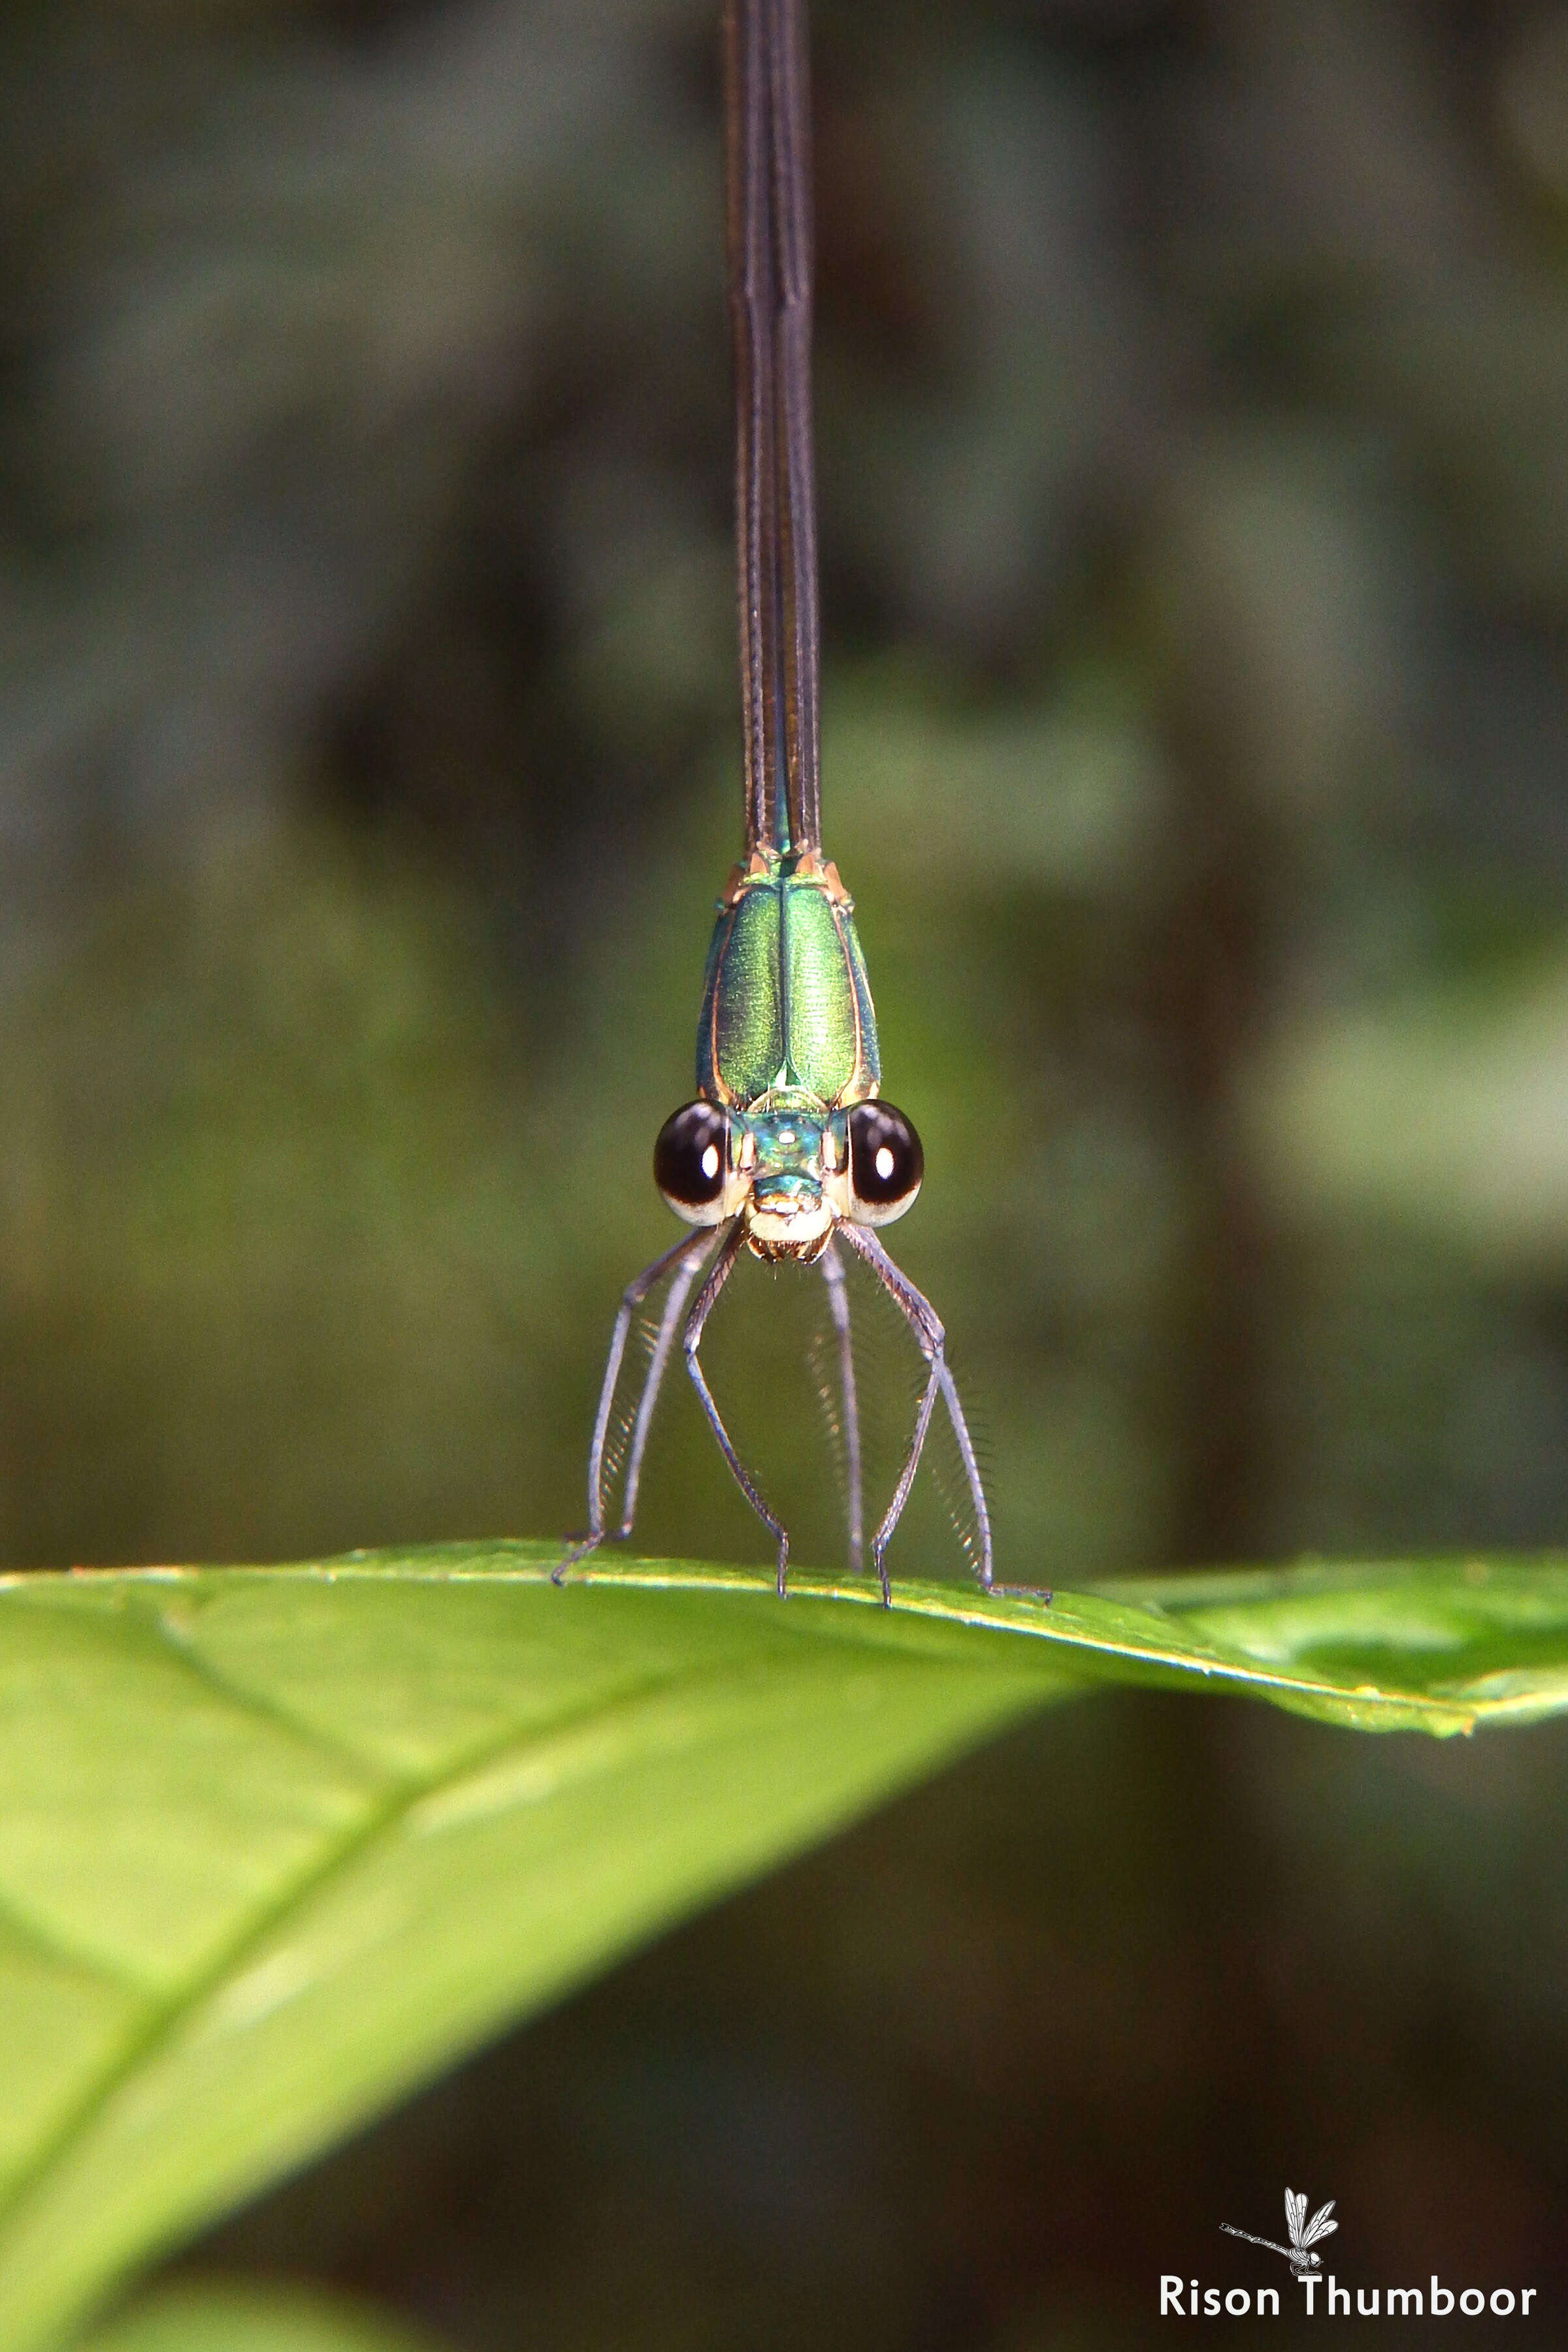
x: 885, y: 1162
x: 690, y: 1160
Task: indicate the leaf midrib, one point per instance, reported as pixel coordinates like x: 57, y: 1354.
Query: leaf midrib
x: 408, y: 1792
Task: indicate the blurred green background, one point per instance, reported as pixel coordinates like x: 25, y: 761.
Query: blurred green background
x: 1192, y: 419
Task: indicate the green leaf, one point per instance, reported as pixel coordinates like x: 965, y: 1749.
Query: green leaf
x: 252, y: 2319
x: 277, y: 1844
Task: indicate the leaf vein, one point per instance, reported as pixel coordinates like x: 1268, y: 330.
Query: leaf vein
x: 160, y: 2025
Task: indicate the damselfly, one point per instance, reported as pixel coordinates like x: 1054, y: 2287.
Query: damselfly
x: 788, y: 1150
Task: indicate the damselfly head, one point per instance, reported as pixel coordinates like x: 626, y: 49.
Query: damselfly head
x: 791, y: 1169
x: 784, y: 1170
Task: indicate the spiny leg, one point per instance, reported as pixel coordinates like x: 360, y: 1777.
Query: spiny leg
x: 631, y: 1300
x: 922, y: 1319
x: 977, y: 1494
x: 673, y: 1306
x: 838, y: 1301
x: 718, y: 1274
x: 971, y: 1470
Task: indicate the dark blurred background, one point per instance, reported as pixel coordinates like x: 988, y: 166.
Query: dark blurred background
x: 1193, y: 414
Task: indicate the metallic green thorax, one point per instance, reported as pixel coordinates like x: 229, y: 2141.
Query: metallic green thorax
x: 786, y: 1004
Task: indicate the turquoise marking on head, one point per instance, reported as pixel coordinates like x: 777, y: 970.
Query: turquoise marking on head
x: 795, y: 1156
